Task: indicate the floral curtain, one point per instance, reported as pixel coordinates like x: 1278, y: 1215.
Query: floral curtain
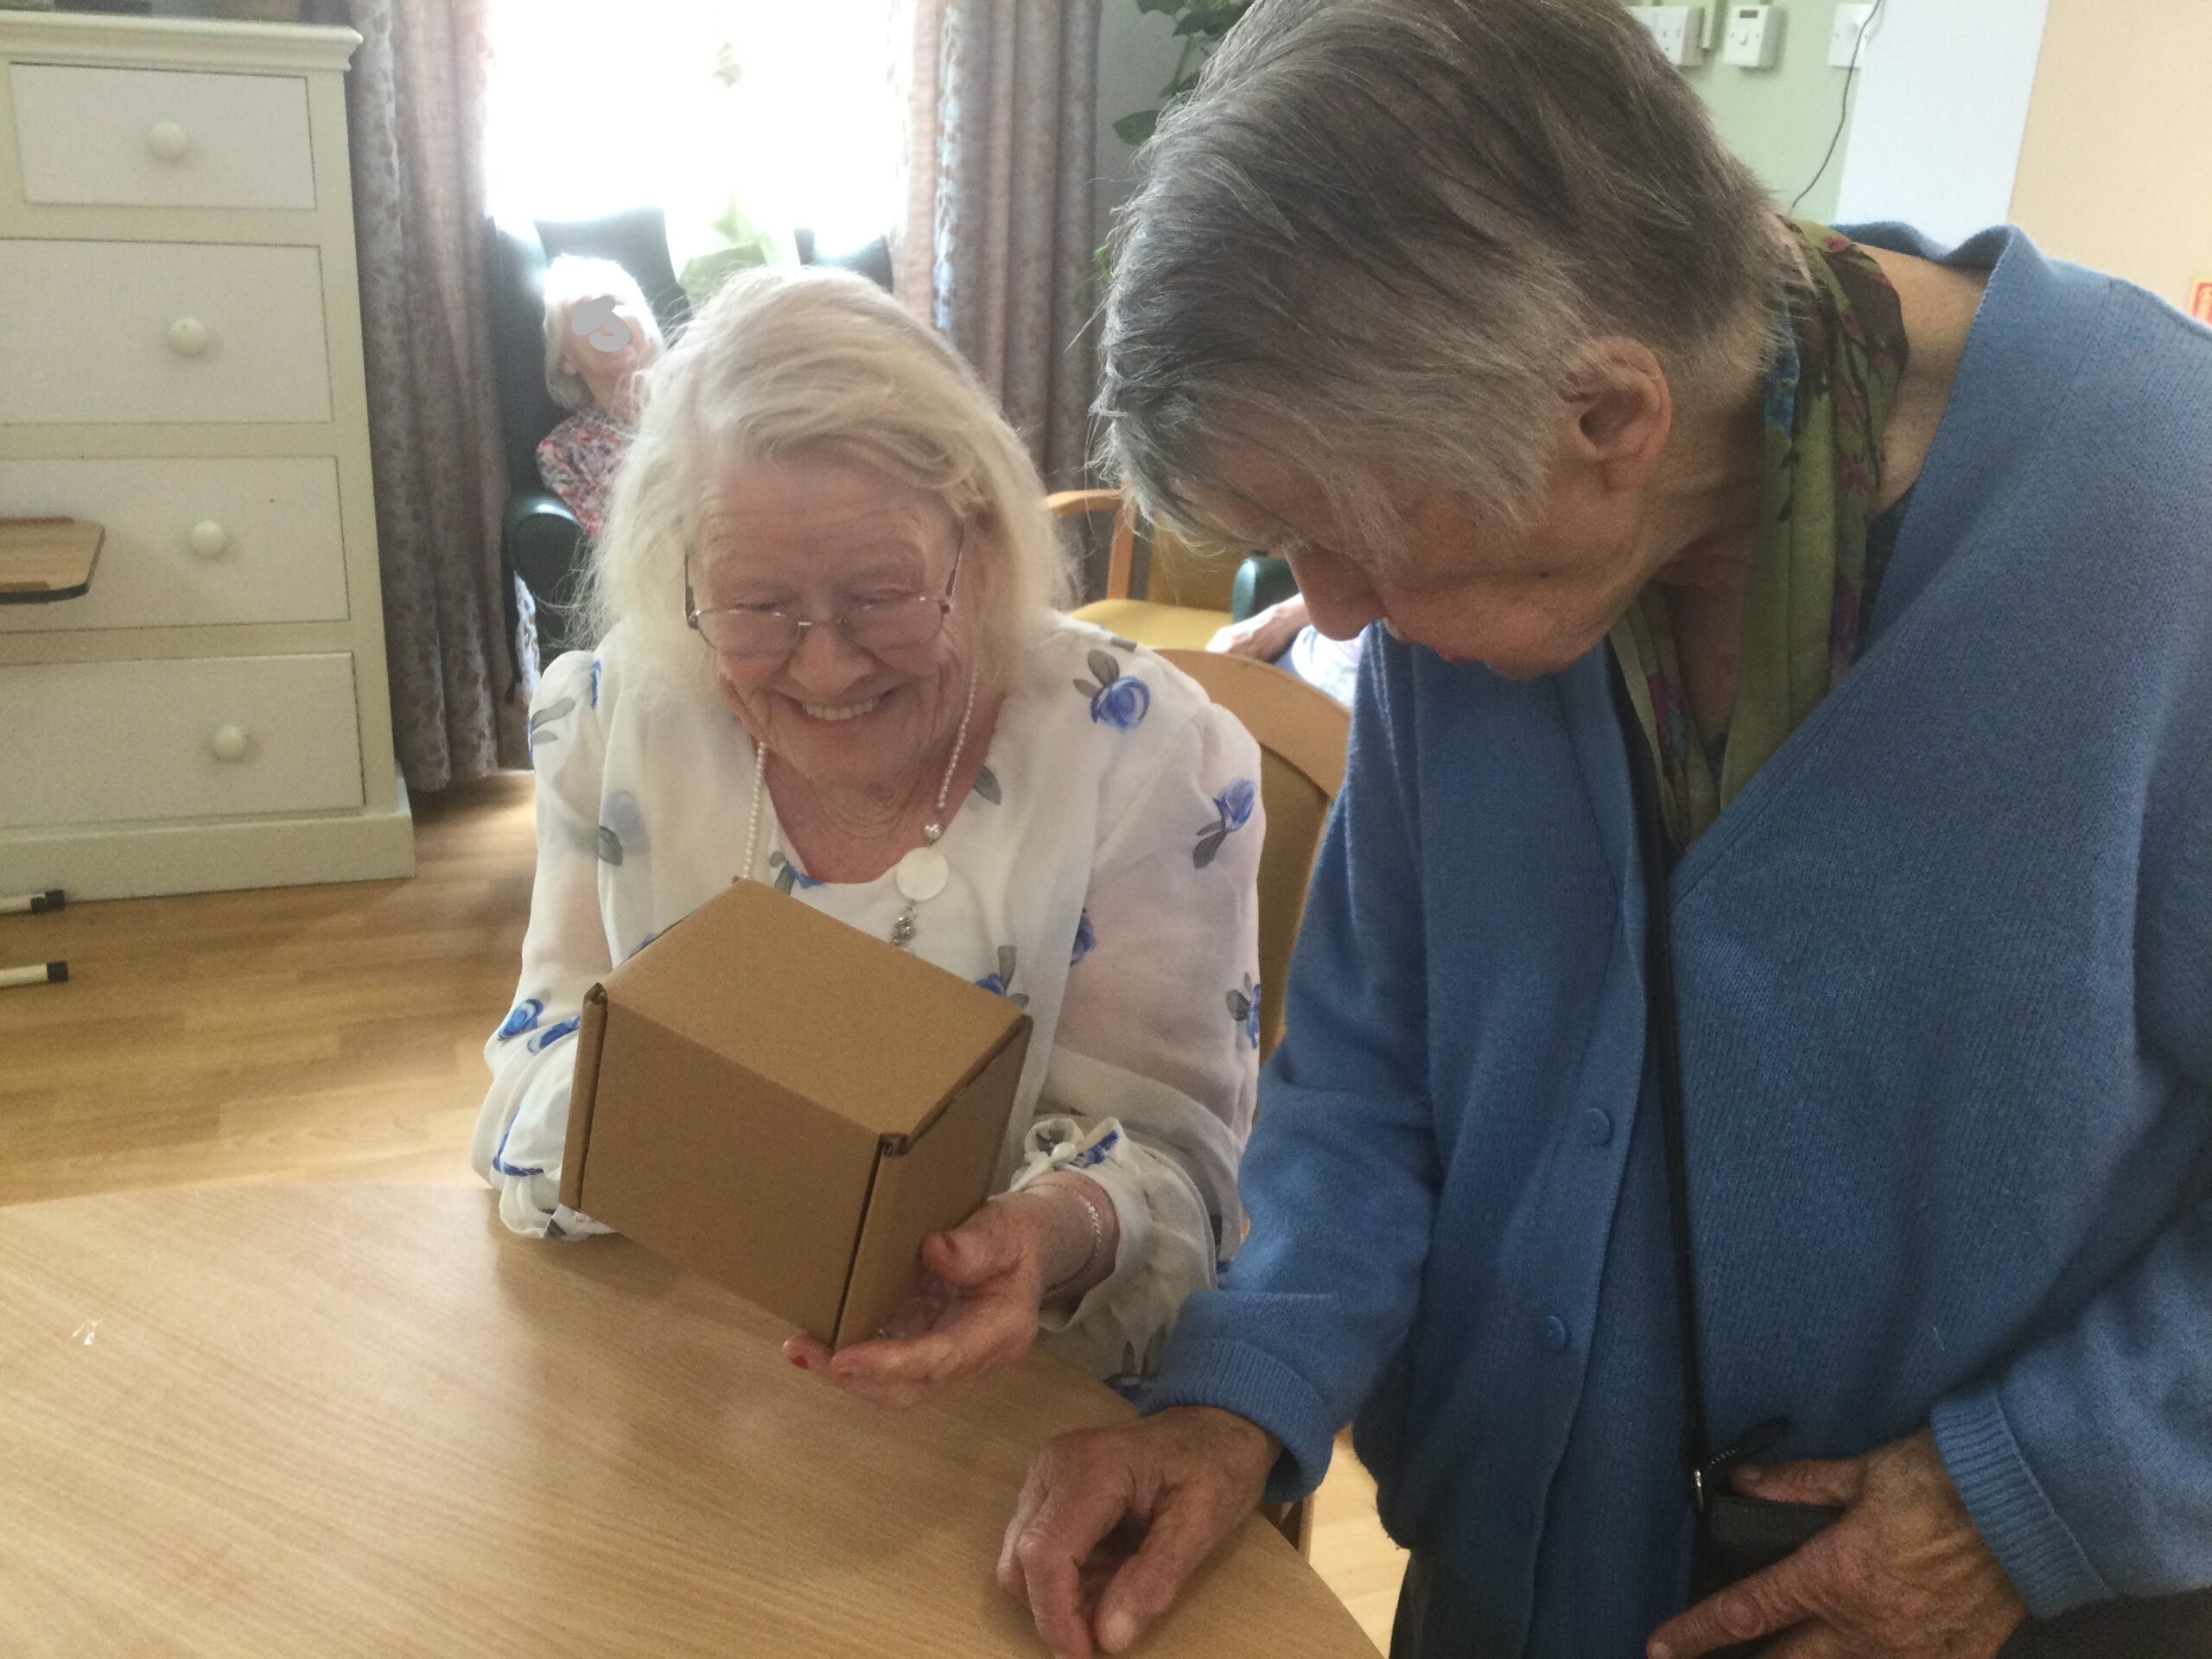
x: 997, y: 246
x: 415, y: 102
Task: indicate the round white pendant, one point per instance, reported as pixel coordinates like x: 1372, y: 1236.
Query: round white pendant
x: 921, y: 874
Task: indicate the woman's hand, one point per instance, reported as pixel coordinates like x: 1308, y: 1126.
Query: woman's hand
x: 1903, y: 1576
x: 1112, y: 1521
x: 1266, y: 636
x: 975, y: 1308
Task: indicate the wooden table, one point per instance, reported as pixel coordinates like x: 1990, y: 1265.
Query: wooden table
x: 357, y: 1420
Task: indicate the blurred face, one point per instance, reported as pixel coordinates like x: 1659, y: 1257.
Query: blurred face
x: 1523, y: 600
x: 819, y: 539
x: 607, y: 341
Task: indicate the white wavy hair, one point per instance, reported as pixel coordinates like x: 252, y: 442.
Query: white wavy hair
x: 570, y: 278
x: 788, y: 363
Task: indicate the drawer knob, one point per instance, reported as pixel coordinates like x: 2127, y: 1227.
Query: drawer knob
x: 168, y: 140
x: 209, y: 539
x: 228, y: 743
x: 189, y: 337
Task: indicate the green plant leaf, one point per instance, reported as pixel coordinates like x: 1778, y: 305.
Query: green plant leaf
x: 1134, y: 129
x: 1167, y: 8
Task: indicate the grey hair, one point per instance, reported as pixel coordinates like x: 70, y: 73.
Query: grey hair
x: 570, y: 278
x: 787, y: 363
x: 1381, y: 233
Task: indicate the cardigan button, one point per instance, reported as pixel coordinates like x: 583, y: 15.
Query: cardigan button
x: 1597, y: 1127
x: 1555, y: 1334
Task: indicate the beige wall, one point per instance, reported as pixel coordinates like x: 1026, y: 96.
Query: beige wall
x: 2116, y: 167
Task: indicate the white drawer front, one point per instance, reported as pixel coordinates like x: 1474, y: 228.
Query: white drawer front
x: 215, y: 737
x: 189, y: 543
x: 166, y: 333
x: 162, y: 137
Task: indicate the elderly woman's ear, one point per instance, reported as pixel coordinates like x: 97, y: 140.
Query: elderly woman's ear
x: 1622, y: 407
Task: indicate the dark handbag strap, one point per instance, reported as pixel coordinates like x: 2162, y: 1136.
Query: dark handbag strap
x: 1708, y: 1471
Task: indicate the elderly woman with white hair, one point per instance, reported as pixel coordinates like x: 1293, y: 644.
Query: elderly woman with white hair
x: 600, y: 336
x: 1742, y: 1141
x: 828, y: 640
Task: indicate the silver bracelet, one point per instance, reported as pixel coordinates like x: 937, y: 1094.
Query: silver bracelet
x: 1097, y: 1241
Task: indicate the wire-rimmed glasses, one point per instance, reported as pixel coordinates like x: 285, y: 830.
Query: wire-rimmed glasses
x: 757, y: 633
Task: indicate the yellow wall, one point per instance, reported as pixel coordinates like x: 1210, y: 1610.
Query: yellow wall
x: 2116, y: 167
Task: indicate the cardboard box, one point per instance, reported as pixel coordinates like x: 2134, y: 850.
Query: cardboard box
x: 789, y: 1106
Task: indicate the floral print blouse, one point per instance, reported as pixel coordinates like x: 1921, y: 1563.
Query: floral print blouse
x: 1104, y: 875
x: 578, y: 459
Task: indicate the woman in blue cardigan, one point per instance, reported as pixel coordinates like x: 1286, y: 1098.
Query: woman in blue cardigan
x: 1860, y: 1161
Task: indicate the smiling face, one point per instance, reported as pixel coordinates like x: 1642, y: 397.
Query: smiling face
x: 814, y: 537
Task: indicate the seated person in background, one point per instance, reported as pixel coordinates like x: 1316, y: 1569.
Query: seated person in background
x: 599, y: 333
x: 828, y: 640
x: 1285, y: 635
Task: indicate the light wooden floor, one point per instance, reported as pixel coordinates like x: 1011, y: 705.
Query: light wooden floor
x: 336, y: 1034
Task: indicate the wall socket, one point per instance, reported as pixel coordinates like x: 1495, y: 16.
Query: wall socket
x: 1752, y: 39
x: 1678, y: 31
x: 1845, y: 36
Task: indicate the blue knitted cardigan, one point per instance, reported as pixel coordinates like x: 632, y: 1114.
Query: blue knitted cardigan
x: 1945, y: 980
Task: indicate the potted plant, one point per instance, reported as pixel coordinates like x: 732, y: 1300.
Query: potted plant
x: 1201, y: 23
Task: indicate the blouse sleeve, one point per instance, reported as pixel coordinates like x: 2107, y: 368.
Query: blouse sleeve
x: 1155, y: 1064
x: 522, y: 1129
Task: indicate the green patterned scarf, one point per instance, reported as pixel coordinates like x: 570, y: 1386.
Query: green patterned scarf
x: 1827, y: 398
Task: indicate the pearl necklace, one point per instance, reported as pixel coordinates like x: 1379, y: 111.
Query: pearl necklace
x: 922, y: 873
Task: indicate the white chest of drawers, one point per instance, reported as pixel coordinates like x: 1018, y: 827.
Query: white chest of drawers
x: 180, y: 360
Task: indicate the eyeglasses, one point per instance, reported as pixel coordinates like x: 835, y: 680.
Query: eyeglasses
x: 761, y: 635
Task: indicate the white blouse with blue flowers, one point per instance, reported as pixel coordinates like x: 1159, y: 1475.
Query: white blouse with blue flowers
x: 1104, y: 872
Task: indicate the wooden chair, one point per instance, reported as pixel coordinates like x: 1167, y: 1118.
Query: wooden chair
x: 1183, y: 600
x: 1301, y: 732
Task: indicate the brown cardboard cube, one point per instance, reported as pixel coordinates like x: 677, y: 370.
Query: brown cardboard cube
x: 789, y: 1106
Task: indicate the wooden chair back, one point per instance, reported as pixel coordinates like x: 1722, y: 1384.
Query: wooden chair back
x: 1173, y: 574
x: 1301, y: 732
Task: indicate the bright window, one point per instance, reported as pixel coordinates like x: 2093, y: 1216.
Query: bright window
x: 783, y: 109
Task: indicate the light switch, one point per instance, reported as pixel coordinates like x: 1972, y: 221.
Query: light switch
x: 1753, y: 40
x: 1679, y: 31
x: 1847, y: 38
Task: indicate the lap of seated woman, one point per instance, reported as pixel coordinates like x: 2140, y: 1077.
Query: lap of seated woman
x: 1284, y: 634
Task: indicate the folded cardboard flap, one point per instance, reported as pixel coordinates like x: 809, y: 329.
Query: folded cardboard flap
x: 925, y: 1184
x: 789, y: 1106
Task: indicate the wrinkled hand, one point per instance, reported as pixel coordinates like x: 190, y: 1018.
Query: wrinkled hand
x: 975, y: 1309
x: 1112, y: 1521
x: 1901, y: 1575
x: 1265, y: 636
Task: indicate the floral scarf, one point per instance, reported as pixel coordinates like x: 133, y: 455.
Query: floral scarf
x: 1827, y: 398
